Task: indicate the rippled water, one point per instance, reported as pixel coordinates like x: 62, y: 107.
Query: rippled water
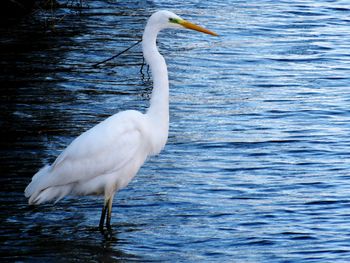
x: 256, y: 168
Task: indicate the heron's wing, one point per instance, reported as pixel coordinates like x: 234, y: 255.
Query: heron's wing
x: 103, y: 149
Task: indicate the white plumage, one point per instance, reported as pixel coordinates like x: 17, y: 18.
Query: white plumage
x: 105, y: 158
x: 98, y: 159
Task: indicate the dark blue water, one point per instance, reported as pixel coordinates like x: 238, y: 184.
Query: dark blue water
x: 257, y: 164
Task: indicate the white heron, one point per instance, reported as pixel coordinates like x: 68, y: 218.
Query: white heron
x: 105, y: 158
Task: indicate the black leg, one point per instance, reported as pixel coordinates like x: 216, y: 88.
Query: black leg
x: 108, y: 222
x: 109, y: 206
x: 103, y: 215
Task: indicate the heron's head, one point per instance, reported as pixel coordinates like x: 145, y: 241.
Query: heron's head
x: 170, y: 20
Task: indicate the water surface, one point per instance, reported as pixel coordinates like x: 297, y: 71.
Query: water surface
x: 256, y: 168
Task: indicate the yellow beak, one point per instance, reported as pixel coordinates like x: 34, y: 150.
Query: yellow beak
x: 192, y: 26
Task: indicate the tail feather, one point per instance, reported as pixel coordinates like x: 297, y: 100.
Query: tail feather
x: 40, y: 191
x: 37, y: 181
x: 51, y: 193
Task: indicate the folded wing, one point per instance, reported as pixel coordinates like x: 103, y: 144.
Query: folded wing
x: 105, y: 148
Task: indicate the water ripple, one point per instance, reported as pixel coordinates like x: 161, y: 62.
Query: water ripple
x: 256, y: 168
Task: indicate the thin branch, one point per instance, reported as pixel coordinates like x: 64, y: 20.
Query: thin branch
x: 122, y: 52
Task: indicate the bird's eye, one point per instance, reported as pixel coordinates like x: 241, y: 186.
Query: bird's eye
x: 173, y: 20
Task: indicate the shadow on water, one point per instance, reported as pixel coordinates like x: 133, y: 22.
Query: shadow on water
x: 38, y: 110
x: 58, y: 232
x: 63, y: 241
x: 29, y: 92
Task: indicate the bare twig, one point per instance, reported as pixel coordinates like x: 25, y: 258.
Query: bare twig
x: 113, y: 57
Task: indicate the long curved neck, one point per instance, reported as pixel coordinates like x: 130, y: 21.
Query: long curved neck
x: 159, y: 103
